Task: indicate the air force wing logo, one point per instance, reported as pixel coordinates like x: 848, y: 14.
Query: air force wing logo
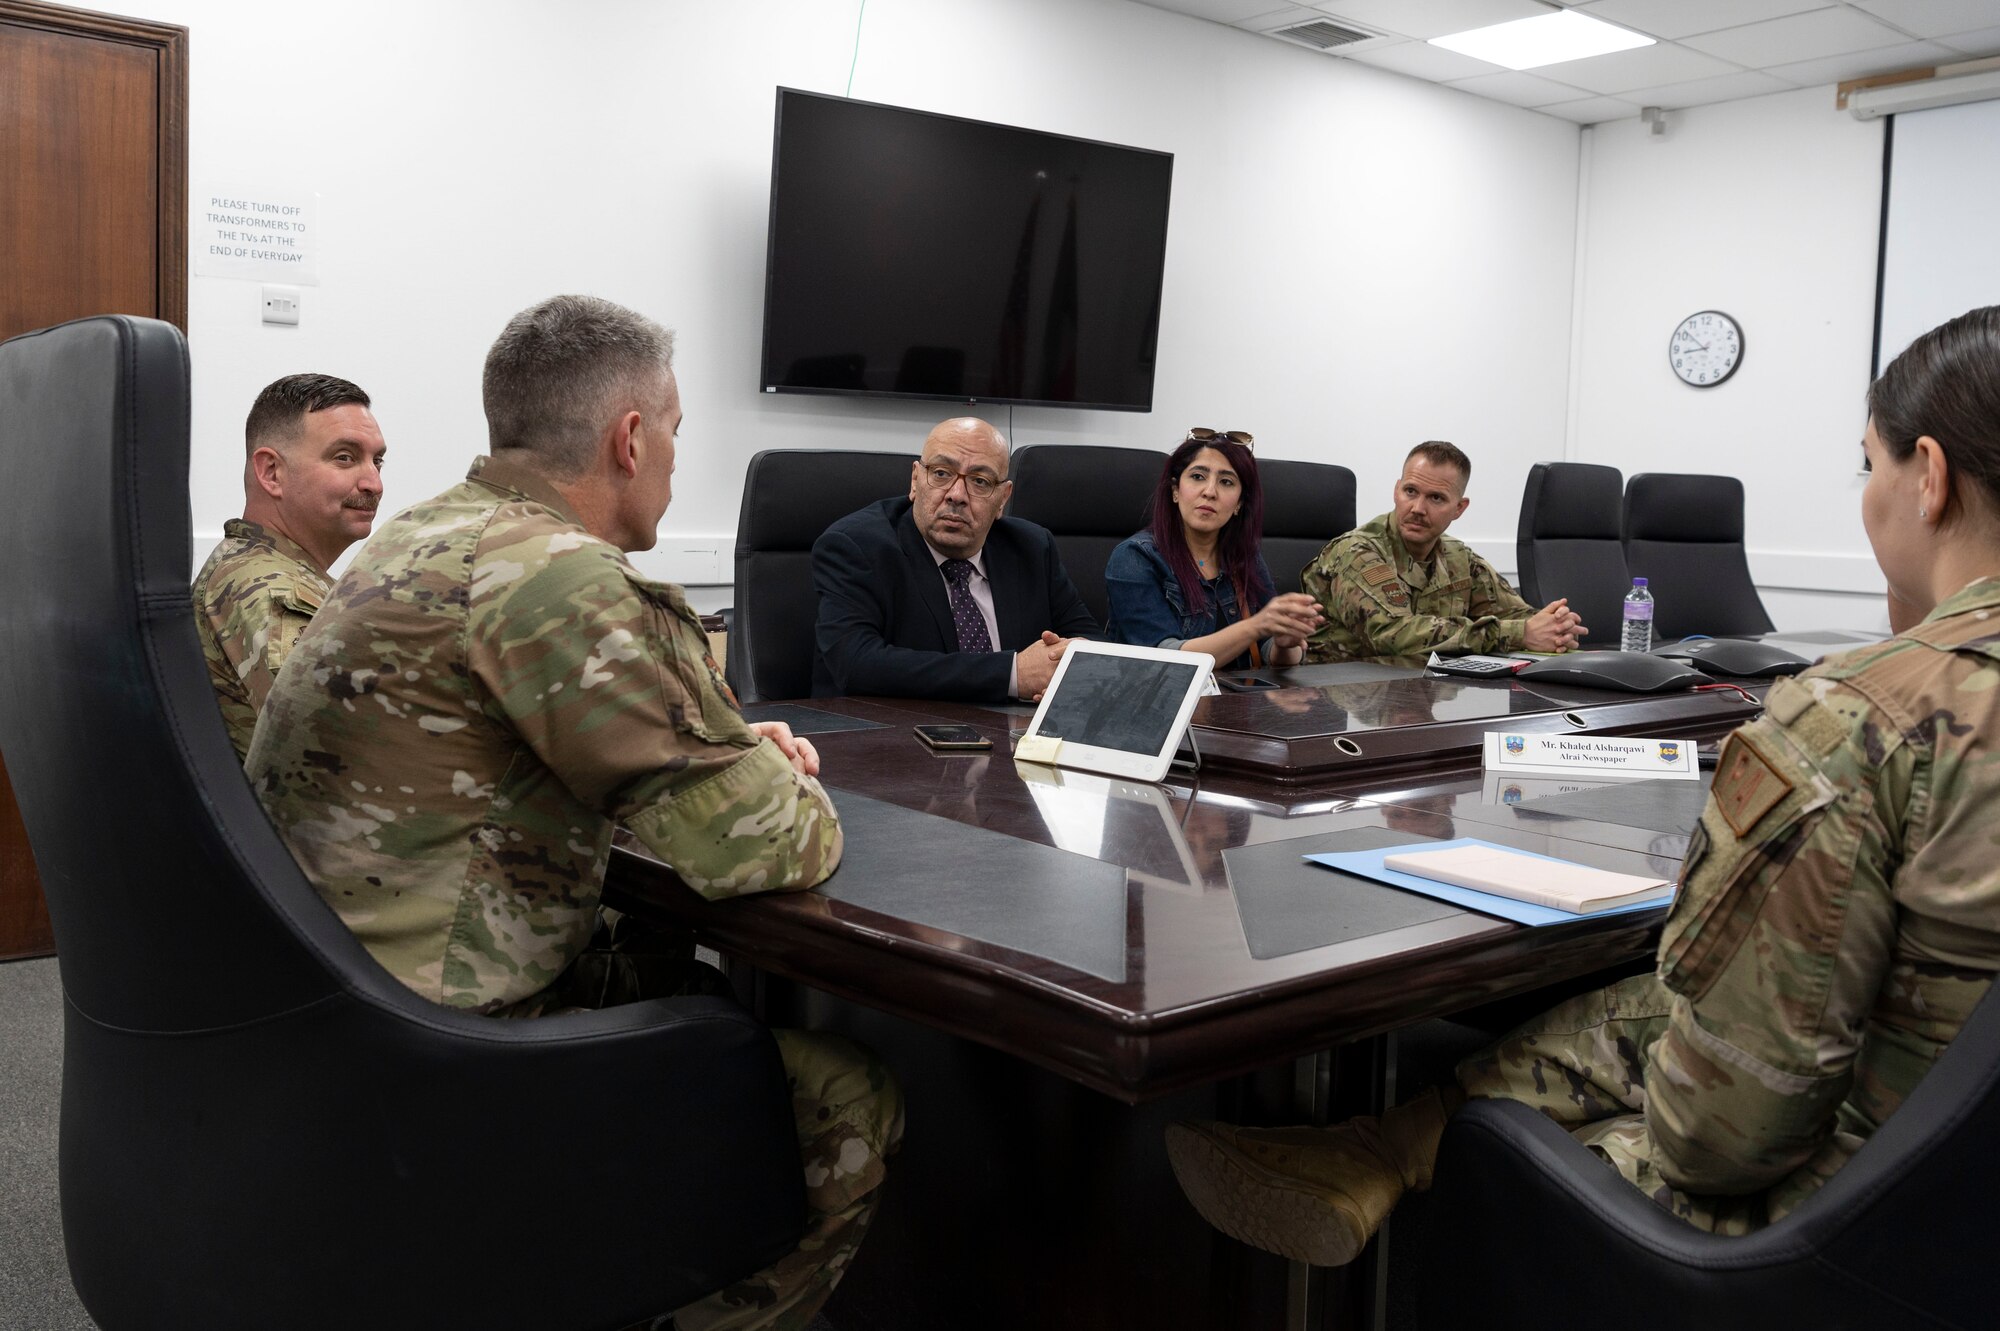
x: 1515, y: 744
x: 1670, y: 751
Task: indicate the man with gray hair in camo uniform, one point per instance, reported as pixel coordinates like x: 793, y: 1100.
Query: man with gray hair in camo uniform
x: 493, y: 687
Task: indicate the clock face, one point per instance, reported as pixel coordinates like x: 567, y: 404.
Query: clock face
x: 1706, y: 348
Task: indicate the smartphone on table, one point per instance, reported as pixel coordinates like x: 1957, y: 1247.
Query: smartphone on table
x: 953, y: 739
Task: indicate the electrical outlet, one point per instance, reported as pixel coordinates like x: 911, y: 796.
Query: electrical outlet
x: 281, y: 305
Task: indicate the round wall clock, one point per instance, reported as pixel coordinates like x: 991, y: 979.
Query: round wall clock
x: 1706, y: 348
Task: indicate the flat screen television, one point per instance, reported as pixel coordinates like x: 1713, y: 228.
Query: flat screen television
x: 925, y: 256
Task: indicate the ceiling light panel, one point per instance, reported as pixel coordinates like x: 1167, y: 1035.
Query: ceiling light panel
x: 1424, y: 19
x: 1530, y: 43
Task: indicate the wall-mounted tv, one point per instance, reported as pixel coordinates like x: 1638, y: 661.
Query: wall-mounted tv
x: 926, y: 256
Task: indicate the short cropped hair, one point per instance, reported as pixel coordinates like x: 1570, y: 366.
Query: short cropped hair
x: 1441, y: 454
x: 559, y: 372
x: 278, y: 415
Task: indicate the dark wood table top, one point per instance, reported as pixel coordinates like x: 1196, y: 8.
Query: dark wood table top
x: 1141, y: 939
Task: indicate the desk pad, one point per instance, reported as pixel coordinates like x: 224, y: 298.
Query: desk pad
x: 983, y: 885
x: 1287, y: 905
x: 806, y: 720
x: 1653, y: 806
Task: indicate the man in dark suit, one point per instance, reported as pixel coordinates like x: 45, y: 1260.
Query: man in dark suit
x: 937, y: 595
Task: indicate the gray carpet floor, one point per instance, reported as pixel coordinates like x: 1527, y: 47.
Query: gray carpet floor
x: 35, y: 1293
x: 34, y: 1284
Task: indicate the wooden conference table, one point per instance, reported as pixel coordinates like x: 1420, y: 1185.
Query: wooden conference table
x: 1057, y: 965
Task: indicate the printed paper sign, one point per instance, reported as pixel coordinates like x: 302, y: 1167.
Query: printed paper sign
x: 263, y: 235
x: 1597, y: 757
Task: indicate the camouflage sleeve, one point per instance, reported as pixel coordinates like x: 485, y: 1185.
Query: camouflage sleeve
x: 288, y: 611
x: 1493, y: 598
x: 1316, y: 581
x: 250, y: 628
x: 1779, y: 941
x: 607, y: 677
x: 1367, y: 598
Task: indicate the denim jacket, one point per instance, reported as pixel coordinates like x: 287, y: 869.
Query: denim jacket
x: 1149, y: 608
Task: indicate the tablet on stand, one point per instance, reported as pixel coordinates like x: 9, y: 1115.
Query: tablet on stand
x: 1119, y: 710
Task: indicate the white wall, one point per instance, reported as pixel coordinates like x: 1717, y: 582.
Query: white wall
x: 1768, y: 209
x: 1343, y: 246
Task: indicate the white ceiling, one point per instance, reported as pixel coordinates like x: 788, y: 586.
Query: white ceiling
x: 1708, y: 50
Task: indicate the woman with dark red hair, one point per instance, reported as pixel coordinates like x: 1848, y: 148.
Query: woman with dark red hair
x: 1195, y: 578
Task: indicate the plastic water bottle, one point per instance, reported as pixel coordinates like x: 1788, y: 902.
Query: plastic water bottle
x: 1638, y: 631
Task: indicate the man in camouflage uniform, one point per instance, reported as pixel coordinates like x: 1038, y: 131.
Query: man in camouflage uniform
x: 1398, y: 587
x: 493, y: 686
x: 1838, y: 921
x: 312, y: 477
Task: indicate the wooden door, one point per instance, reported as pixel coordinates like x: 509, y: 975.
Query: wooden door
x: 93, y: 220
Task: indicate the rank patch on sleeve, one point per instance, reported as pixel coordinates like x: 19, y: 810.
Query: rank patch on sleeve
x: 1748, y: 785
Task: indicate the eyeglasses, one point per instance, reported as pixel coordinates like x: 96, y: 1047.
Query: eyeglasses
x: 977, y: 484
x: 1202, y: 434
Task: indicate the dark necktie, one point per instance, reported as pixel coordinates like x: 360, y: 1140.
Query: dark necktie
x: 965, y: 616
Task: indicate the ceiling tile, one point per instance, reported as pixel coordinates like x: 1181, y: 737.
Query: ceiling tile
x: 1278, y: 18
x: 1433, y: 18
x: 1972, y: 44
x: 1860, y: 64
x: 1703, y: 92
x: 1934, y: 18
x: 1221, y: 11
x: 1681, y: 18
x: 1424, y: 61
x: 1520, y: 89
x: 1592, y: 110
x: 1784, y: 41
x: 1646, y: 67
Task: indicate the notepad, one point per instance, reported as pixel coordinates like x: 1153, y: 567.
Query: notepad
x: 1556, y: 884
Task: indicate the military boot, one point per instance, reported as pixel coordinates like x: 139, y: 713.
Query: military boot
x: 1311, y: 1194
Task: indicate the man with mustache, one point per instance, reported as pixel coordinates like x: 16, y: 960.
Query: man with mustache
x: 312, y: 478
x: 1398, y: 587
x: 938, y: 596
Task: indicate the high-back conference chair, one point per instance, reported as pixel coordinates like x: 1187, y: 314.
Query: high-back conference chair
x: 790, y: 497
x: 1684, y: 535
x: 1568, y: 543
x: 1090, y: 497
x: 1899, y: 1237
x: 1306, y: 504
x: 260, y: 1127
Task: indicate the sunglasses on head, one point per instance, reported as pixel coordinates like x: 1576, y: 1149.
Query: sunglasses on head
x: 1202, y: 434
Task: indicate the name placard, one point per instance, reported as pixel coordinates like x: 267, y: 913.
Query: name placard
x: 1597, y: 757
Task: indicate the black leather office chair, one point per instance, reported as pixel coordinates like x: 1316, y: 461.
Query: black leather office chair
x: 1684, y: 535
x: 260, y: 1127
x: 791, y: 496
x: 1899, y: 1237
x: 1091, y: 497
x: 1568, y: 543
x: 1306, y: 504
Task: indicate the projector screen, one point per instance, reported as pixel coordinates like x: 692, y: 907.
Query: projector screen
x: 1942, y: 196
